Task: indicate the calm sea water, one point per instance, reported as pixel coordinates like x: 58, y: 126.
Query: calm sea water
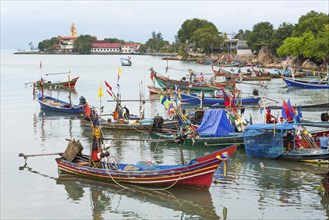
x: 282, y: 190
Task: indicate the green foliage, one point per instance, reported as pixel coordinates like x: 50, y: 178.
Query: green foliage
x: 206, y: 38
x: 261, y: 35
x: 201, y: 33
x: 156, y: 43
x: 242, y: 35
x: 279, y: 35
x: 114, y: 40
x: 47, y: 44
x: 82, y: 44
x: 312, y: 21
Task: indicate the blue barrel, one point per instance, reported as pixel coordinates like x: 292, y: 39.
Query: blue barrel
x: 324, y: 142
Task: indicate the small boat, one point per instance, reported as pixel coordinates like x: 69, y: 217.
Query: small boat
x: 59, y: 84
x: 195, y: 99
x: 52, y: 104
x: 125, y: 62
x: 314, y: 107
x: 154, y: 90
x: 271, y: 141
x: 166, y: 82
x: 198, y: 173
x: 324, y: 84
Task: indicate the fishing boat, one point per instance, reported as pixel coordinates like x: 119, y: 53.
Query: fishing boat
x: 219, y: 99
x: 322, y: 84
x: 314, y: 107
x: 271, y: 141
x: 52, y: 104
x: 59, y: 84
x: 215, y: 130
x: 192, y: 84
x: 146, y: 124
x: 198, y: 173
x: 125, y: 61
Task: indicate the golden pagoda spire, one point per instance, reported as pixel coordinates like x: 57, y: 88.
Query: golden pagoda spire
x: 73, y: 30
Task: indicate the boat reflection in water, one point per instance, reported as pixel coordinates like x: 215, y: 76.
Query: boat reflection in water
x: 107, y: 197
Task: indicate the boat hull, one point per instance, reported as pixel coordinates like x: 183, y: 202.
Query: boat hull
x: 193, y: 99
x: 64, y: 84
x: 197, y: 174
x: 306, y: 84
x: 52, y: 104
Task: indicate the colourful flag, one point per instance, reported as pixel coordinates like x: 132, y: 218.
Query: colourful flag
x: 109, y: 92
x: 292, y: 111
x: 108, y: 85
x: 87, y: 110
x: 100, y: 91
x: 285, y: 111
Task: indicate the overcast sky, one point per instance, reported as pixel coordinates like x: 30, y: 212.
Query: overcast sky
x: 33, y: 21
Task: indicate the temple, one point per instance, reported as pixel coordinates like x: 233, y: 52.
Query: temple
x: 66, y: 42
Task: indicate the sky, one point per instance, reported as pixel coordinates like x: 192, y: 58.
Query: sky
x: 33, y: 21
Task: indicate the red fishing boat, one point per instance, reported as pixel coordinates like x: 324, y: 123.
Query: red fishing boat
x: 198, y: 173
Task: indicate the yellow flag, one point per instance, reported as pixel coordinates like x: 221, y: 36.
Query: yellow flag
x: 119, y: 70
x: 100, y: 91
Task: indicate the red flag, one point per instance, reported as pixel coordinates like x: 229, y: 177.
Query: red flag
x: 108, y: 85
x: 109, y: 92
x: 87, y: 110
x: 152, y: 75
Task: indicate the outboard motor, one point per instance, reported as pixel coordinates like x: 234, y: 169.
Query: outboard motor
x: 157, y: 122
x: 324, y: 117
x: 255, y: 92
x: 82, y: 101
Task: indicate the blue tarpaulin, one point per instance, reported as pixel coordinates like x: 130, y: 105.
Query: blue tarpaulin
x: 214, y: 123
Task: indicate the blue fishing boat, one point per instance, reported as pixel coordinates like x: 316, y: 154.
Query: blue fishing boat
x: 282, y: 141
x: 195, y: 99
x: 324, y: 84
x: 52, y: 104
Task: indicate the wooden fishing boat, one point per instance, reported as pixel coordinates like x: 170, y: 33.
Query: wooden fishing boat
x: 52, y: 104
x: 166, y: 82
x: 154, y: 90
x: 125, y: 62
x: 59, y: 84
x: 147, y: 124
x: 270, y: 141
x: 307, y: 84
x: 215, y: 130
x: 195, y: 99
x: 315, y: 107
x: 198, y: 173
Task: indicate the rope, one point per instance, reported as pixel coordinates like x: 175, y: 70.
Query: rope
x: 126, y: 187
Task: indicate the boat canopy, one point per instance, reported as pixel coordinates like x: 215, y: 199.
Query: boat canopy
x: 214, y: 123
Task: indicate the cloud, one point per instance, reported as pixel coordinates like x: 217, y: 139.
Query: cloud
x: 33, y: 21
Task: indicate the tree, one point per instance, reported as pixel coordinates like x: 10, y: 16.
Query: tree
x: 187, y: 29
x: 242, y: 35
x: 156, y: 43
x: 280, y: 34
x: 312, y: 21
x: 206, y: 38
x: 47, y: 44
x: 261, y: 35
x: 82, y: 44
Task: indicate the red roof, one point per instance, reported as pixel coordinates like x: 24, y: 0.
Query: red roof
x: 67, y: 37
x: 130, y: 45
x: 105, y: 45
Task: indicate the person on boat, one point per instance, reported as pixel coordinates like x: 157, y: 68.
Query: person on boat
x: 289, y: 140
x: 270, y: 119
x: 125, y: 113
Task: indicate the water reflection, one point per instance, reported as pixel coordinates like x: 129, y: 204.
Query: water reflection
x: 190, y: 203
x: 108, y: 198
